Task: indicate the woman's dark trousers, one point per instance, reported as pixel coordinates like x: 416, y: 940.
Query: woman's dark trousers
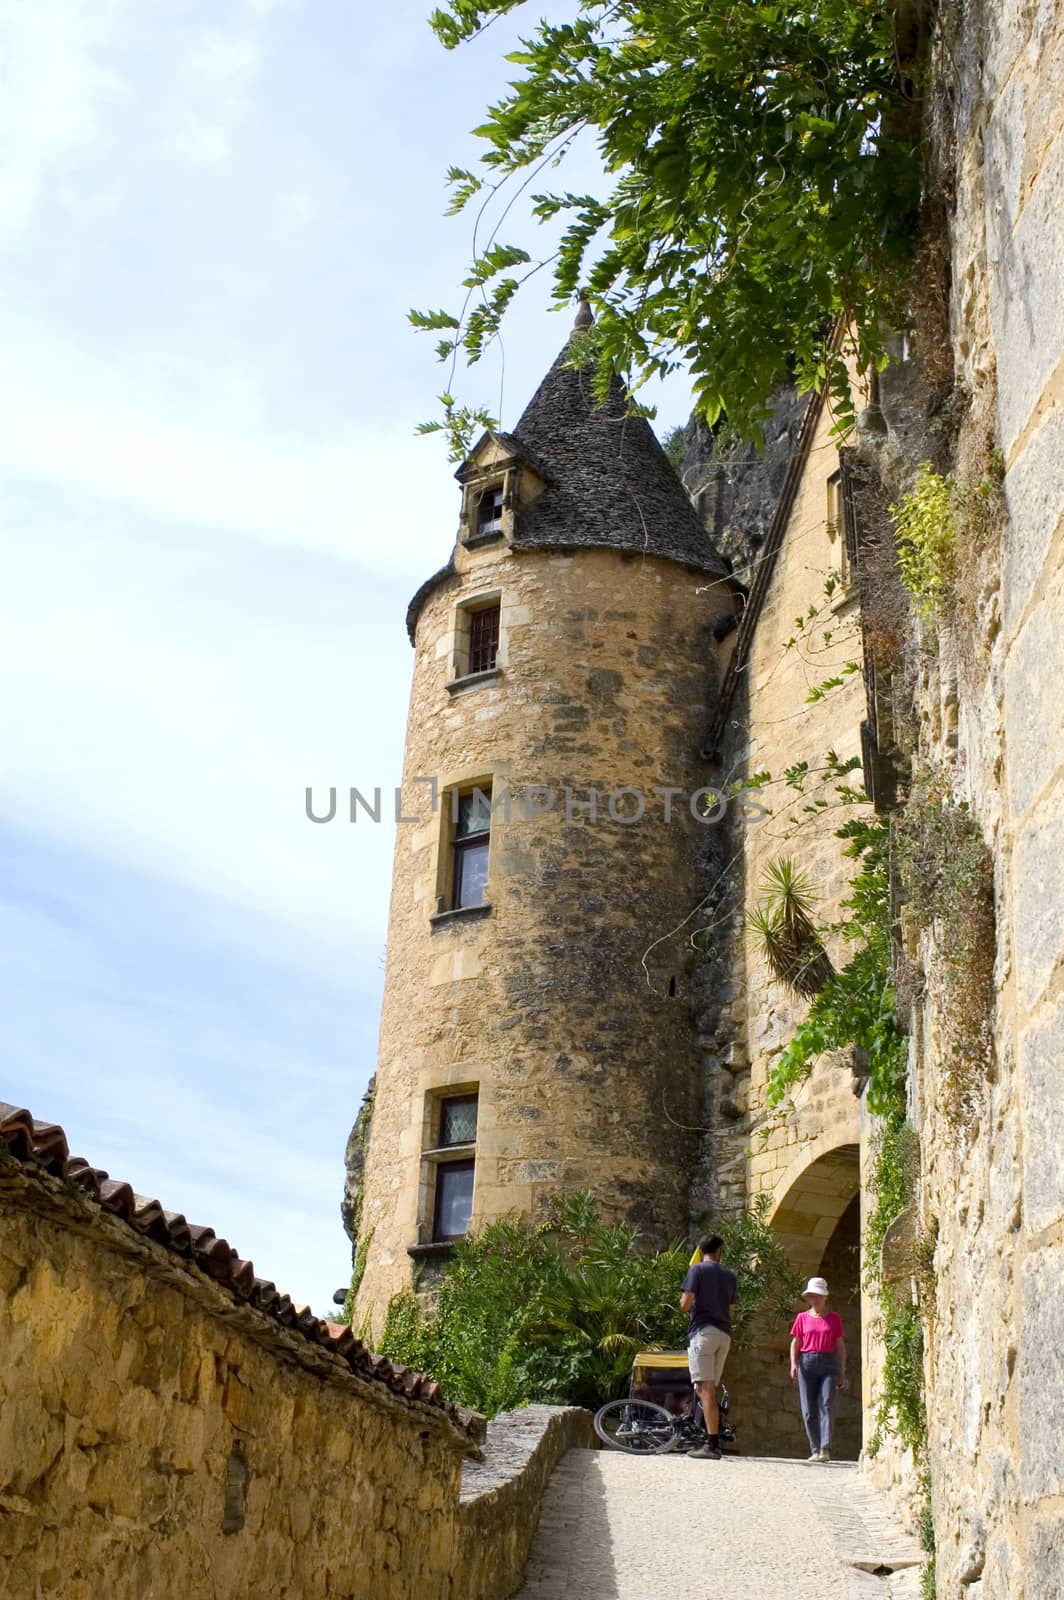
x: 818, y: 1386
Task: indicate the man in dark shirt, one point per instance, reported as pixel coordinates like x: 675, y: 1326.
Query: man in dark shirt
x: 708, y: 1296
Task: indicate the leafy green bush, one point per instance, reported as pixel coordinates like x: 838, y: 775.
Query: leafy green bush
x: 925, y: 522
x: 760, y: 183
x: 554, y: 1311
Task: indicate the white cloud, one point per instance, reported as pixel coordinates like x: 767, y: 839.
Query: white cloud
x: 203, y: 145
x: 179, y: 440
x: 55, y: 90
x: 185, y: 694
x: 224, y: 61
x: 214, y: 81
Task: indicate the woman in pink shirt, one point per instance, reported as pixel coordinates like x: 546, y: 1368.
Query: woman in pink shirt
x: 818, y: 1361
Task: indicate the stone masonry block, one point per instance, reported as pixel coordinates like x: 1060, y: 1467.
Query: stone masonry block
x: 1040, y: 1055
x: 1041, y: 1375
x: 1034, y: 706
x: 1039, y: 869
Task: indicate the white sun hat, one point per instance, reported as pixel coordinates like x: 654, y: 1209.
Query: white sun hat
x: 815, y: 1286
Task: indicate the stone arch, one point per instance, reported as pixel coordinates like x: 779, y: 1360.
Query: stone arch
x: 816, y: 1213
x: 816, y: 1192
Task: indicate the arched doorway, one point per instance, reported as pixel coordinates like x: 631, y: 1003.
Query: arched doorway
x: 816, y: 1213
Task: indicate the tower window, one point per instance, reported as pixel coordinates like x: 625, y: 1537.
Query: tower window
x: 453, y: 1202
x: 448, y: 1176
x: 837, y: 527
x: 458, y: 1120
x: 483, y: 639
x: 835, y: 505
x: 489, y: 512
x: 472, y: 831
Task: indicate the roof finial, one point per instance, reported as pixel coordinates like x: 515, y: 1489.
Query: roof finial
x: 584, y: 318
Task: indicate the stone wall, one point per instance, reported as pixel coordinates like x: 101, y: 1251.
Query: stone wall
x: 156, y: 1440
x: 989, y: 707
x: 170, y: 1425
x: 503, y: 1492
x: 541, y: 1003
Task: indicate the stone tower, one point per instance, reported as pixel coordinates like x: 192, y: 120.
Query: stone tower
x: 536, y: 1028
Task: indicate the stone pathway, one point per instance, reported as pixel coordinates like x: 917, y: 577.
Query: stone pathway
x: 617, y: 1527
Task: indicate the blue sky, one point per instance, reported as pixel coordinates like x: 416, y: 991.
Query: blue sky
x: 213, y: 218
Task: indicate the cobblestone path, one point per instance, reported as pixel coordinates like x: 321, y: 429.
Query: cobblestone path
x: 618, y: 1527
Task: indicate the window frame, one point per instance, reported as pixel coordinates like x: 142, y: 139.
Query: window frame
x: 836, y: 525
x: 443, y: 1170
x: 489, y: 527
x: 435, y: 1156
x: 459, y: 847
x: 477, y: 651
x: 462, y: 1097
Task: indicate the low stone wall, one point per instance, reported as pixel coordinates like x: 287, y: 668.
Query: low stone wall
x: 502, y: 1495
x: 171, y: 1425
x: 151, y: 1445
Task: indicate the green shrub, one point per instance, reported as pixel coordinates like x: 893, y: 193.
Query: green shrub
x: 554, y: 1311
x: 926, y: 526
x: 948, y: 877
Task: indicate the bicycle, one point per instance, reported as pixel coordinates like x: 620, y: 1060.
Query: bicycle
x: 641, y: 1427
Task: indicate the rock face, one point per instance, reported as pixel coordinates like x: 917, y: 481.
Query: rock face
x: 355, y: 1162
x: 735, y: 488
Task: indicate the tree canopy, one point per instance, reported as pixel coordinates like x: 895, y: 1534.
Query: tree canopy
x: 760, y: 188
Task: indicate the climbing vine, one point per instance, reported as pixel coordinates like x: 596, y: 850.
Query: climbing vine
x: 855, y: 1006
x: 936, y: 523
x: 947, y: 876
x: 925, y: 524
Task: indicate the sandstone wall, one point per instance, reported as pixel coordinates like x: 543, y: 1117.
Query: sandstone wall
x: 991, y: 714
x: 580, y: 1054
x: 503, y: 1492
x: 803, y: 1159
x: 160, y: 1436
x: 153, y: 1442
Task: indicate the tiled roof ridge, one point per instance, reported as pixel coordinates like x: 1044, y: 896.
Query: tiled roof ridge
x: 42, y: 1147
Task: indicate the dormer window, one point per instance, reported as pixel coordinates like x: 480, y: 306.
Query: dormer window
x: 489, y: 512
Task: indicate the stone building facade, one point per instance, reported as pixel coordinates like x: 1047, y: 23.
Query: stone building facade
x: 980, y: 689
x: 800, y: 628
x: 535, y: 1036
x: 989, y: 707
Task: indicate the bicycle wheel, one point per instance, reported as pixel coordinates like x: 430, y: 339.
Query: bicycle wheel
x: 638, y: 1427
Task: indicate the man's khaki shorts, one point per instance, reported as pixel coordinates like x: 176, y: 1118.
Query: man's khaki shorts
x: 707, y: 1353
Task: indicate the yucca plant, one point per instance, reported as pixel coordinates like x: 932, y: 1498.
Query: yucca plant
x: 782, y: 924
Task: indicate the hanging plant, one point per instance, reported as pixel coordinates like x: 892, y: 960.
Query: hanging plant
x: 783, y: 926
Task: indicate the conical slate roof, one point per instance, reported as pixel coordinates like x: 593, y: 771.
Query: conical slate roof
x: 609, y: 483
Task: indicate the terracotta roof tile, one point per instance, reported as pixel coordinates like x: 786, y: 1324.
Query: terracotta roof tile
x: 42, y: 1146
